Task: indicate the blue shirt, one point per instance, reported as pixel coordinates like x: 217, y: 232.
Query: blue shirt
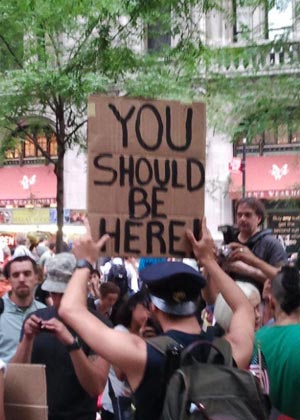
x: 11, y: 321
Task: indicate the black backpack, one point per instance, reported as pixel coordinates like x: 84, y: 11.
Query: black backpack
x: 212, y: 389
x: 1, y: 305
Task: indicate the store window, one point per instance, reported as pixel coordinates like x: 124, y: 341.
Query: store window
x: 29, y: 148
x: 280, y: 136
x: 270, y: 136
x: 53, y: 145
x: 43, y: 146
x: 13, y: 153
x: 32, y: 143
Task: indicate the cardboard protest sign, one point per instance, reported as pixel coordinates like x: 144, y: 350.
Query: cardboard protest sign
x: 25, y: 392
x: 146, y: 174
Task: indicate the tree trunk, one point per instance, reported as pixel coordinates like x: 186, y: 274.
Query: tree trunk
x: 59, y: 171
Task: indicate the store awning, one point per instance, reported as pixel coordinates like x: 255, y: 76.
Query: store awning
x: 21, y: 185
x: 268, y: 177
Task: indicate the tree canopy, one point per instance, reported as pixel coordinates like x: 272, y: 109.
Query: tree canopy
x: 54, y: 54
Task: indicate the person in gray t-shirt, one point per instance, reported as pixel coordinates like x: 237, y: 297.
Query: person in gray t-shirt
x: 250, y: 215
x: 18, y: 303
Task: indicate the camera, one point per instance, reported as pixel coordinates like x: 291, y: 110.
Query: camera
x: 225, y: 251
x: 44, y: 329
x: 173, y: 352
x: 229, y: 233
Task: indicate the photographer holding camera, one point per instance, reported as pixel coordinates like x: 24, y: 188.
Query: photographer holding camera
x: 75, y: 375
x: 250, y: 216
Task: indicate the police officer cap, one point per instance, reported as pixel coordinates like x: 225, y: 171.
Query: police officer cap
x: 174, y: 287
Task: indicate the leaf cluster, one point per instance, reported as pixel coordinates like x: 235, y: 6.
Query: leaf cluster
x: 60, y: 52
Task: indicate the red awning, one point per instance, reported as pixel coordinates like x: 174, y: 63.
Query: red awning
x: 269, y: 177
x: 20, y: 185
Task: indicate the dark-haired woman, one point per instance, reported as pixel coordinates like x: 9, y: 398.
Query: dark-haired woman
x: 130, y: 318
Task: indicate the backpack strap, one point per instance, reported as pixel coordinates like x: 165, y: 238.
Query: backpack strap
x: 224, y: 347
x: 161, y: 342
x: 111, y: 391
x: 1, y: 305
x: 218, y: 352
x: 171, y: 349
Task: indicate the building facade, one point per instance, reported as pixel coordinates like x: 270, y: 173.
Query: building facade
x: 275, y: 151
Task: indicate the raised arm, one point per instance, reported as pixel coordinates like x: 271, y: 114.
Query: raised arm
x: 92, y: 370
x: 126, y: 351
x: 241, y: 334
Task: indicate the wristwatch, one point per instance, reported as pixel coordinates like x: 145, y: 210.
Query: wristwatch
x: 84, y: 264
x: 74, y: 346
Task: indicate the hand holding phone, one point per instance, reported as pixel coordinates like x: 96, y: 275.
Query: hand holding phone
x: 44, y: 328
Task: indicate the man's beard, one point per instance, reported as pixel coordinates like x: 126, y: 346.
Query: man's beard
x: 22, y: 293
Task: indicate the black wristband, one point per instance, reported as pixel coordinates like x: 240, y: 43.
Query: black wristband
x: 74, y: 346
x: 84, y: 264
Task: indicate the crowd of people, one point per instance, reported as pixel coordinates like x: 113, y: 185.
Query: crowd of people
x: 89, y: 319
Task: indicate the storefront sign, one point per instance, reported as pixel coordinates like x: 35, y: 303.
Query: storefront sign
x: 20, y: 202
x: 286, y: 226
x: 146, y: 174
x: 271, y: 177
x: 275, y: 194
x: 34, y: 216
